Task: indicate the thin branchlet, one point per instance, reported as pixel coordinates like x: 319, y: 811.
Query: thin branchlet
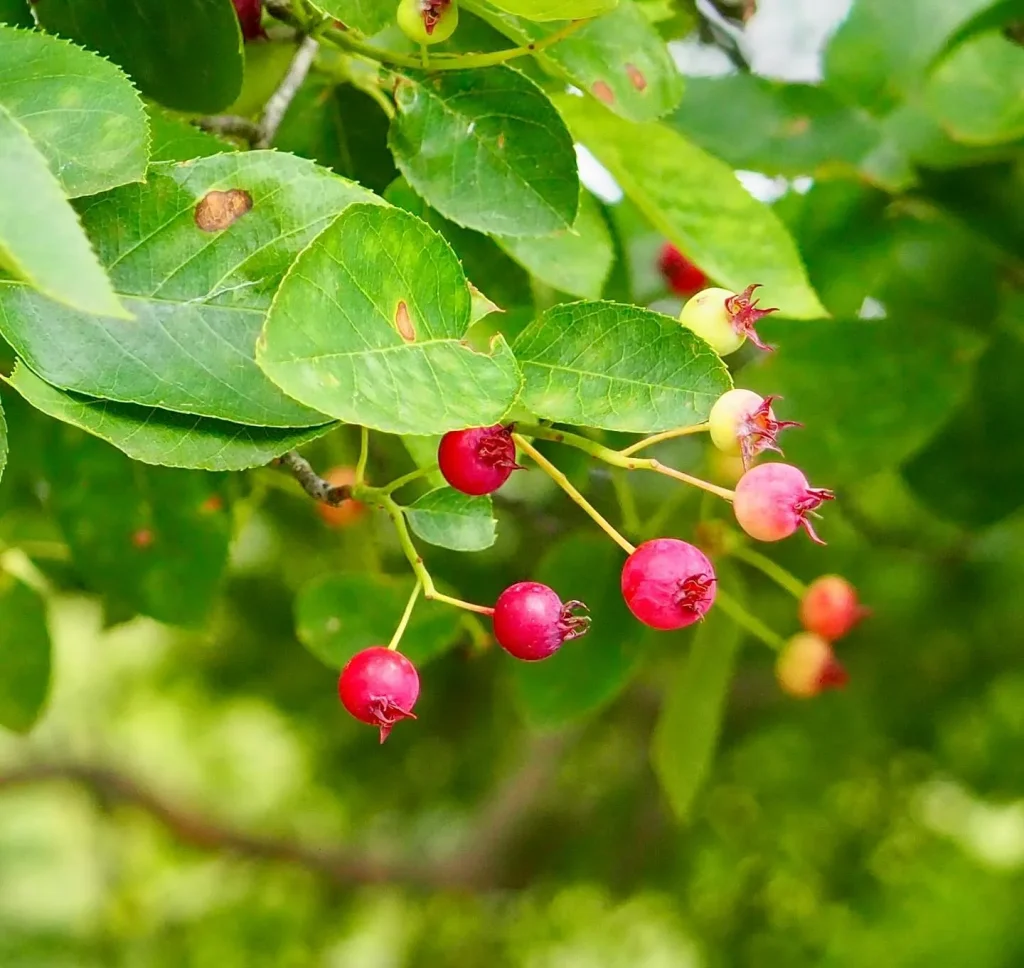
x: 312, y: 483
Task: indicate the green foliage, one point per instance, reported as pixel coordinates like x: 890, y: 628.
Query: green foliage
x: 449, y: 519
x: 24, y: 655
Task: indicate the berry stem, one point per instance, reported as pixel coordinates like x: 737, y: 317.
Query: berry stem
x: 400, y: 482
x: 424, y: 57
x: 364, y: 455
x: 664, y: 435
x: 563, y: 482
x: 774, y: 571
x: 406, y: 615
x: 751, y: 623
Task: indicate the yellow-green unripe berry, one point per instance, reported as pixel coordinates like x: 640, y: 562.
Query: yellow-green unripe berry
x: 743, y: 422
x: 723, y: 319
x: 428, y: 21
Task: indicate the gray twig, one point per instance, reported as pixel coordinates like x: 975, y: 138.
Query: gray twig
x: 317, y: 487
x: 231, y: 125
x: 276, y: 107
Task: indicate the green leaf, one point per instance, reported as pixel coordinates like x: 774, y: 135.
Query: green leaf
x: 588, y: 672
x: 368, y: 326
x: 16, y: 13
x: 576, y: 260
x: 81, y: 112
x: 149, y: 538
x: 975, y: 93
x: 200, y: 296
x: 971, y: 471
x: 556, y: 9
x: 449, y: 519
x: 338, y: 615
x: 698, y: 203
x: 871, y: 392
x: 160, y: 436
x: 487, y: 149
x: 602, y: 364
x: 779, y: 129
x: 172, y: 139
x: 186, y: 55
x: 24, y: 655
x: 686, y: 735
x: 41, y: 240
x: 367, y: 16
x: 619, y: 58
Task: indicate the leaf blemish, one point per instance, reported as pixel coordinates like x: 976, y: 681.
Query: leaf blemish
x: 636, y: 78
x: 403, y: 322
x: 603, y: 92
x: 501, y: 140
x: 217, y: 211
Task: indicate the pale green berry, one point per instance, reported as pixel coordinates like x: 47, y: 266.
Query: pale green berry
x: 724, y: 319
x: 428, y: 21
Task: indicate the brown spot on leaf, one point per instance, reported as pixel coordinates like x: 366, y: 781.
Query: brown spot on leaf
x: 212, y: 504
x: 798, y: 126
x: 403, y: 322
x: 636, y: 77
x: 501, y: 140
x: 603, y: 92
x: 142, y: 538
x: 218, y: 210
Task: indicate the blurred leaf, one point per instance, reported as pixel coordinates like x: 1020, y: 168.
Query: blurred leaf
x: 41, y: 241
x: 341, y: 614
x: 619, y: 58
x: 472, y: 142
x: 172, y: 139
x: 199, y: 295
x: 697, y: 202
x: 339, y: 127
x: 975, y: 92
x: 3, y: 442
x: 422, y: 448
x: 151, y: 538
x: 186, y: 55
x: 160, y: 436
x: 871, y: 393
x: 24, y: 655
x: 588, y: 672
x: 368, y: 327
x: 368, y: 16
x: 779, y: 129
x: 575, y: 261
x: 16, y: 13
x: 450, y: 519
x: 266, y: 64
x: 971, y: 471
x: 81, y: 112
x: 686, y: 735
x: 556, y: 9
x: 617, y: 367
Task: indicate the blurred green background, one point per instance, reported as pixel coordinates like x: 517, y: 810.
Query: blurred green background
x: 198, y: 796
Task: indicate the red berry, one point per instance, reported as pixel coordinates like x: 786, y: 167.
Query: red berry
x: 681, y: 275
x: 379, y: 686
x: 250, y: 13
x: 807, y: 666
x: 743, y: 422
x: 830, y: 608
x: 531, y: 622
x: 668, y: 584
x: 479, y: 460
x: 773, y: 500
x: 725, y: 319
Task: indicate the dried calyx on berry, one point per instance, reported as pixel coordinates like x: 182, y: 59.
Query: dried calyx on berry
x: 531, y: 622
x: 679, y: 273
x: 668, y: 583
x: 773, y: 500
x: 830, y: 608
x: 478, y: 460
x: 807, y: 666
x: 379, y: 686
x: 428, y: 21
x: 743, y: 422
x: 725, y: 319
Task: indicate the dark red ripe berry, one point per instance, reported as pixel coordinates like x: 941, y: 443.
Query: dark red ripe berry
x: 830, y: 608
x: 680, y: 274
x: 668, y: 584
x: 478, y: 460
x: 249, y: 14
x: 531, y: 622
x: 379, y: 686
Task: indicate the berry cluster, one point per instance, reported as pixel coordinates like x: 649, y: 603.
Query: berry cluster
x: 667, y: 583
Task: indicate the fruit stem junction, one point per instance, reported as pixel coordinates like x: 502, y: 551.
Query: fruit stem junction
x: 664, y: 435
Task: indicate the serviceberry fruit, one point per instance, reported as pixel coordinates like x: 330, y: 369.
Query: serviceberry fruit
x: 428, y: 21
x: 346, y: 514
x: 725, y: 319
x: 668, y: 584
x: 773, y: 500
x: 531, y: 622
x: 379, y: 686
x: 250, y: 13
x: 807, y: 666
x: 830, y: 608
x: 743, y: 422
x: 679, y: 273
x: 479, y: 460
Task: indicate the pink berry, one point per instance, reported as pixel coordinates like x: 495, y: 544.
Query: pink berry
x: 681, y: 275
x: 478, y: 460
x: 531, y: 622
x: 807, y: 666
x: 725, y: 319
x: 668, y: 584
x: 379, y: 686
x: 743, y: 422
x: 773, y: 500
x: 250, y: 13
x: 830, y: 608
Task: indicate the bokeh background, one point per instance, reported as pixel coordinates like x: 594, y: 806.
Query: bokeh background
x: 198, y: 797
